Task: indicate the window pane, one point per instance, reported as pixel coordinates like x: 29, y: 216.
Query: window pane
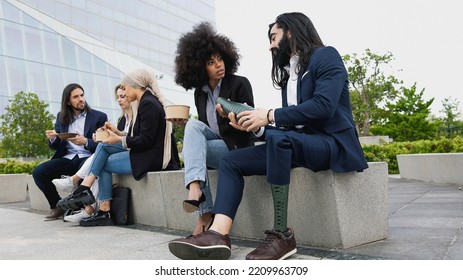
x: 100, y: 66
x: 30, y: 21
x: 71, y: 76
x: 18, y: 77
x: 69, y: 54
x: 84, y: 60
x: 3, y: 81
x: 88, y: 83
x: 13, y: 39
x: 10, y: 12
x: 33, y: 44
x: 56, y: 85
x: 52, y: 50
x: 37, y: 78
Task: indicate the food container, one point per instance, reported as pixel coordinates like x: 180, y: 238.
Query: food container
x: 177, y: 112
x: 101, y: 135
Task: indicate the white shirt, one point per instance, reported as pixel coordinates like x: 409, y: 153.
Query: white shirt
x: 77, y: 126
x: 291, y: 87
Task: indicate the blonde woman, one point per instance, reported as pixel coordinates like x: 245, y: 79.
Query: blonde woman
x: 146, y: 147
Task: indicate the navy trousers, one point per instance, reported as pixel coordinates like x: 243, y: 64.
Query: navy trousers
x: 282, y: 151
x: 45, y: 172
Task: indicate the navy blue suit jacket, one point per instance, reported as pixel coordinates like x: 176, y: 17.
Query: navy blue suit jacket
x: 324, y: 107
x: 94, y: 120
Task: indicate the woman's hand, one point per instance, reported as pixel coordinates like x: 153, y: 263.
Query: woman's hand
x: 219, y: 110
x: 113, y: 138
x: 181, y: 122
x: 109, y: 126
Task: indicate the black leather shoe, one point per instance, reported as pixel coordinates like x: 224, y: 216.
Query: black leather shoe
x: 193, y: 204
x: 101, y: 218
x: 77, y: 201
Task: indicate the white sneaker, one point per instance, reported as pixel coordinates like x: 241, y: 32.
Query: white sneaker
x: 75, y: 218
x: 64, y: 184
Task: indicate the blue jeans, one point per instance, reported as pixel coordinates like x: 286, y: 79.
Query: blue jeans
x: 202, y: 148
x: 109, y: 159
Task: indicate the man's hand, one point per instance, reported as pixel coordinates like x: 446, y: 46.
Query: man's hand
x: 252, y: 120
x: 51, y: 134
x: 79, y: 140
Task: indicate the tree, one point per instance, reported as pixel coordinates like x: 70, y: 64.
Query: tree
x: 23, y: 126
x: 450, y: 122
x: 370, y: 88
x: 407, y: 118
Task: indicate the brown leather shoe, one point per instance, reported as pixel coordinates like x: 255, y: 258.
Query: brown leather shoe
x: 55, y: 214
x: 276, y: 246
x: 208, y: 245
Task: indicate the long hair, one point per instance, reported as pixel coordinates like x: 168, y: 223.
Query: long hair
x: 304, y: 40
x: 195, y: 48
x: 67, y: 112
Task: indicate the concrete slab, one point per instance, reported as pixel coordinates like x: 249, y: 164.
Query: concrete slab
x: 13, y: 187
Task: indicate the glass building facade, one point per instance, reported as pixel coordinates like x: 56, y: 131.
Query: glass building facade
x: 47, y: 44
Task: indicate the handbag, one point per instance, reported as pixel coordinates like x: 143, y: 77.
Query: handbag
x: 120, y: 205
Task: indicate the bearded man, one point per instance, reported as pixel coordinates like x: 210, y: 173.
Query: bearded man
x: 71, y: 150
x: 314, y: 129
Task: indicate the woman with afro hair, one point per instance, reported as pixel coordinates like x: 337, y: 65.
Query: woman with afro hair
x: 206, y: 62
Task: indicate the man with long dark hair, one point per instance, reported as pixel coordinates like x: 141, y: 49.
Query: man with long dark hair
x: 75, y: 116
x: 313, y: 129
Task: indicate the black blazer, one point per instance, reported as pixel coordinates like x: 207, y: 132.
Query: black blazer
x: 324, y: 107
x: 94, y: 120
x: 235, y: 88
x: 147, y: 143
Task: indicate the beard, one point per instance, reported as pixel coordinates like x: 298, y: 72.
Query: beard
x: 282, y: 54
x: 79, y: 107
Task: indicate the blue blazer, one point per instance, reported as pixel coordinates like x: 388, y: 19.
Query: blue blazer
x: 94, y: 120
x: 324, y: 107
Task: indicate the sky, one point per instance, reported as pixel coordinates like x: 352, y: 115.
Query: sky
x: 424, y: 36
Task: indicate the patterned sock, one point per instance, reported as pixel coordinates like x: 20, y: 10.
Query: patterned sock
x: 280, y: 207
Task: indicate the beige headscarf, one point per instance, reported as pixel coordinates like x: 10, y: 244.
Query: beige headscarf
x: 146, y: 80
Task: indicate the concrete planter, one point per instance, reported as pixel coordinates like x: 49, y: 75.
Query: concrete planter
x: 440, y: 168
x: 13, y: 187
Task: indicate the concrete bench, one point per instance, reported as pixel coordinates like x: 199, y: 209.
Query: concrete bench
x: 326, y: 209
x: 13, y: 187
x: 440, y: 168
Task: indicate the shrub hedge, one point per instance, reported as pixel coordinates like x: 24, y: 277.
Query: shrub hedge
x: 384, y: 152
x: 17, y: 167
x: 388, y: 152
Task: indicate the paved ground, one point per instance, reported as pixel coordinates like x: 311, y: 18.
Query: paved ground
x: 425, y: 223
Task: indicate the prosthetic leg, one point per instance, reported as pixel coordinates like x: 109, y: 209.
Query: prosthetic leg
x: 280, y: 207
x: 76, y: 201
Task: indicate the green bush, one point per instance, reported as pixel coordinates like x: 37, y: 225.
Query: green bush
x: 389, y: 152
x: 17, y: 167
